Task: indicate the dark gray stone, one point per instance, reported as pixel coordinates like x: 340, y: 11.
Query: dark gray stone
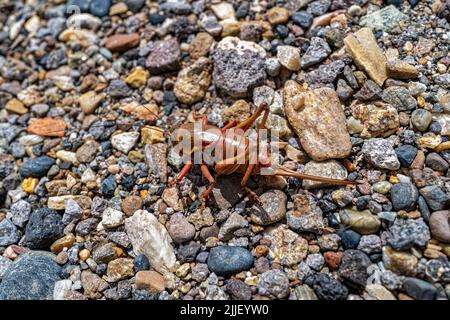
x: 9, y: 234
x: 31, y: 277
x: 43, y: 229
x: 435, y: 197
x: 37, y: 167
x: 224, y: 260
x: 405, y: 233
x: 318, y: 51
x: 400, y: 98
x: 353, y: 267
x: 419, y: 289
x: 406, y: 154
x: 404, y: 196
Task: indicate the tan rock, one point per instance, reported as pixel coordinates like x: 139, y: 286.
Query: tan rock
x: 59, y: 202
x: 120, y: 269
x: 151, y: 135
x: 137, y: 78
x: 64, y: 242
x: 16, y: 106
x: 378, y: 121
x: 399, y: 69
x: 199, y: 47
x: 90, y: 101
x: 148, y: 112
x: 289, y: 57
x: 318, y: 119
x: 193, y: 81
x: 150, y: 280
x: 399, y: 262
x: 47, y: 127
x: 122, y: 42
x: 367, y: 55
x: 240, y: 111
x: 223, y: 10
x: 118, y: 8
x: 277, y: 15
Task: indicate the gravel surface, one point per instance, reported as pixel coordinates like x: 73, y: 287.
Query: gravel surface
x: 90, y: 91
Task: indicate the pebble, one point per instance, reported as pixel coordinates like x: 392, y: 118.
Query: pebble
x: 38, y: 274
x: 405, y: 233
x: 124, y: 142
x: 435, y: 197
x: 120, y: 269
x: 200, y: 45
x: 406, y: 154
x: 43, y: 228
x: 141, y: 263
x: 306, y: 215
x: 37, y: 167
x: 234, y: 222
x: 164, y: 56
x: 400, y: 98
x: 419, y: 289
x: 354, y: 266
x: 239, y: 290
x: 436, y: 162
x: 302, y: 18
x: 99, y: 8
x: 350, y: 239
x: 180, y: 230
x: 149, y: 237
x: 440, y: 226
x: 399, y: 69
x: 399, y: 262
x: 238, y: 66
x: 370, y: 244
x: 289, y: 57
x: 9, y: 234
x: 380, y: 153
x: 149, y: 280
x: 272, y: 208
x: 275, y: 283
x: 112, y: 218
x: 122, y: 42
x: 193, y: 82
x: 318, y: 51
x: 385, y: 19
x: 327, y: 288
x: 327, y: 139
x: 87, y: 151
x: 90, y: 100
x: 367, y: 54
x: 363, y: 222
x: 277, y: 15
x: 224, y: 260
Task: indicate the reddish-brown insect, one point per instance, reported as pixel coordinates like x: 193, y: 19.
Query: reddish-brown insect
x: 212, y: 136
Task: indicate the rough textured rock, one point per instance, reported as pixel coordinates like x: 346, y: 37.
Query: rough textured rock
x: 164, y: 56
x: 193, y: 82
x: 328, y: 169
x: 30, y: 277
x: 287, y: 247
x: 384, y: 19
x: 238, y: 66
x: 44, y: 227
x: 150, y: 238
x: 272, y: 208
x: 380, y: 153
x: 318, y: 119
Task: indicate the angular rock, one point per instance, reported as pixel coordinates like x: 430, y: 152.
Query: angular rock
x: 193, y: 82
x: 9, y: 234
x: 37, y: 167
x: 353, y: 267
x: 367, y: 55
x: 319, y: 121
x: 275, y: 283
x: 377, y: 120
x: 272, y: 208
x: 318, y: 51
x: 402, y: 70
x: 380, y: 153
x: 149, y: 237
x: 287, y: 247
x: 289, y: 57
x: 164, y: 56
x: 327, y: 169
x: 31, y: 277
x: 400, y: 98
x: 180, y: 230
x: 405, y: 233
x: 156, y: 159
x: 234, y: 222
x: 124, y: 142
x: 385, y: 19
x: 238, y: 66
x: 43, y: 228
x: 306, y: 215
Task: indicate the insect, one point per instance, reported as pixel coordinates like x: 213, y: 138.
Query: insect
x: 242, y: 158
